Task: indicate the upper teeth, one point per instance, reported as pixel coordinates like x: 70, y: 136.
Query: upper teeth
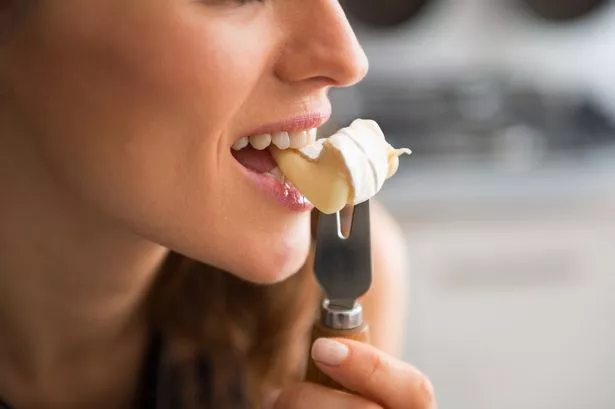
x: 282, y: 140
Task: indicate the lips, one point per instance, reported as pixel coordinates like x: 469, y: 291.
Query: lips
x: 252, y: 152
x: 293, y: 124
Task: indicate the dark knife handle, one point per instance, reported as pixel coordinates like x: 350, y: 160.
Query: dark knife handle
x: 314, y: 374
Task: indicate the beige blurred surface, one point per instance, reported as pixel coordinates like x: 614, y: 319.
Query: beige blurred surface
x: 512, y: 283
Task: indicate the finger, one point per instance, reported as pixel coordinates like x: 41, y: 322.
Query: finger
x: 307, y: 395
x: 369, y: 372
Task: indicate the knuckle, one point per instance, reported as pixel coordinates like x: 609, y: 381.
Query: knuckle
x: 375, y: 368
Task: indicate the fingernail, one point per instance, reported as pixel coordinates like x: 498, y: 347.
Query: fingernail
x: 270, y: 400
x: 329, y: 352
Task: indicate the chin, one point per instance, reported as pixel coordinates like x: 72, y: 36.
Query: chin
x: 264, y: 266
x: 258, y: 263
x: 268, y: 255
x: 271, y: 258
x: 274, y: 248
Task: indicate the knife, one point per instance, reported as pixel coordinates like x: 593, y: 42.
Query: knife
x: 343, y: 269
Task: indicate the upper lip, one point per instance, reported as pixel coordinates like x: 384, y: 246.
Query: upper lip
x: 302, y: 122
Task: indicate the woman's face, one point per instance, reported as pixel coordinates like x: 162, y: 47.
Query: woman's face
x: 132, y: 107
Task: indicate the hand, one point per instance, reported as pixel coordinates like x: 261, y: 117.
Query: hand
x: 379, y: 381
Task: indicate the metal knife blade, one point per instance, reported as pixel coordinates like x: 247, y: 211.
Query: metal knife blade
x: 343, y: 263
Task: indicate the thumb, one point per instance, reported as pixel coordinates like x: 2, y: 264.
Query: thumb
x: 373, y: 374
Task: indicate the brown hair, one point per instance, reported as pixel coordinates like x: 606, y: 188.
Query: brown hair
x: 246, y: 330
x: 12, y: 11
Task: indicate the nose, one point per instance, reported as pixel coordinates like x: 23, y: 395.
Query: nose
x: 319, y: 45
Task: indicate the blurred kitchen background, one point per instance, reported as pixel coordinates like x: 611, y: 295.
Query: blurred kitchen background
x: 508, y: 202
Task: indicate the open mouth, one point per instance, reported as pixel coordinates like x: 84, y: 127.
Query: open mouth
x: 253, y: 152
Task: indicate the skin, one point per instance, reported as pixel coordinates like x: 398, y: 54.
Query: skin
x: 116, y: 121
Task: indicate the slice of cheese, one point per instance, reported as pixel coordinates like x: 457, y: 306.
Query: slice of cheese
x: 349, y: 167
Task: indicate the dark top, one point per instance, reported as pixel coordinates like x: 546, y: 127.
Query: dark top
x: 159, y: 389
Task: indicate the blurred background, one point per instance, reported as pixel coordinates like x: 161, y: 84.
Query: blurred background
x: 508, y: 202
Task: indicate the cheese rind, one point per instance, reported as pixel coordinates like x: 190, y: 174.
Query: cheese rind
x: 349, y: 167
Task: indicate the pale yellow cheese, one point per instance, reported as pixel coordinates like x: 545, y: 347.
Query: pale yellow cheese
x: 349, y: 167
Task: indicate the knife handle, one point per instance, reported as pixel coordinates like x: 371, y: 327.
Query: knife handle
x: 314, y: 374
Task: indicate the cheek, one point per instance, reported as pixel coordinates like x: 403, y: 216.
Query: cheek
x: 134, y: 108
x: 125, y: 79
x: 130, y: 118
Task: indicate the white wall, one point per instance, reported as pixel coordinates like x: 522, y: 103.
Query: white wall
x: 512, y: 282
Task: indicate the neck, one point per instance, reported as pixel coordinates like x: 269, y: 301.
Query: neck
x: 72, y: 287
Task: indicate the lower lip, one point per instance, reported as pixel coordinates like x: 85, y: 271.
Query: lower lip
x: 285, y: 194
